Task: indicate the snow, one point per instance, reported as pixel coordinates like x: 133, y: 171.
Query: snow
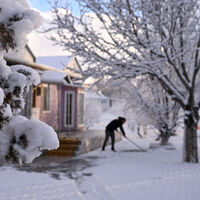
x: 58, y: 62
x: 53, y: 77
x: 94, y: 95
x: 39, y: 136
x: 32, y: 76
x: 127, y: 174
x: 4, y: 70
x: 30, y: 19
x: 9, y: 10
x: 1, y: 96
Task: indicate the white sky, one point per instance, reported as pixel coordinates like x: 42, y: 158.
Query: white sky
x: 40, y: 45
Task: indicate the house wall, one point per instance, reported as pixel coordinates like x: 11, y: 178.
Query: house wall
x: 49, y: 117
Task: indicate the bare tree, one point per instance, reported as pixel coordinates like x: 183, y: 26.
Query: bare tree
x: 137, y: 37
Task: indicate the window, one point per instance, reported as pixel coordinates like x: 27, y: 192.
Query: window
x: 34, y: 98
x: 80, y: 108
x: 46, y: 98
x: 38, y: 91
x: 69, y: 108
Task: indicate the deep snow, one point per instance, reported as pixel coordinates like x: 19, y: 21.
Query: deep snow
x: 158, y: 174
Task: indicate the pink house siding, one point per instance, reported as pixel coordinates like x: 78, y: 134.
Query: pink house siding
x: 51, y: 117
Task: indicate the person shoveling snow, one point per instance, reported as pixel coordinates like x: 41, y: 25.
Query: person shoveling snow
x: 110, y: 131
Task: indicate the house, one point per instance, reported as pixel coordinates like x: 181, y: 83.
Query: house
x: 59, y: 103
x: 56, y: 100
x: 102, y: 102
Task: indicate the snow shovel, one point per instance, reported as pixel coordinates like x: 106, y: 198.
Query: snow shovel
x: 139, y: 147
x: 135, y: 144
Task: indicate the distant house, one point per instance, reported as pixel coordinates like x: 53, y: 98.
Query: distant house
x: 56, y: 100
x: 101, y: 102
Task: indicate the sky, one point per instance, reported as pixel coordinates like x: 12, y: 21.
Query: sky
x: 44, y: 5
x: 41, y: 5
x: 38, y: 43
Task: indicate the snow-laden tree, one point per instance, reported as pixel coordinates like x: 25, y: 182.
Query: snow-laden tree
x: 129, y: 38
x: 146, y: 103
x: 21, y: 140
x: 153, y: 106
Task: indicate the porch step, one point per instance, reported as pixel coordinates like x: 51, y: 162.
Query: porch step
x: 60, y: 153
x: 67, y: 148
x: 65, y: 140
x: 70, y: 147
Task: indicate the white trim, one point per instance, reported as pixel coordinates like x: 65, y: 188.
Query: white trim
x: 49, y: 90
x: 81, y: 124
x: 73, y: 109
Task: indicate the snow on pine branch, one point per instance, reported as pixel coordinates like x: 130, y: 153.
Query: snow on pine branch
x: 21, y: 139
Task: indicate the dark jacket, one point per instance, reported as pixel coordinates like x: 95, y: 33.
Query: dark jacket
x: 116, y: 123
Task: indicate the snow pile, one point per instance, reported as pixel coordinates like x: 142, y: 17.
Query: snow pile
x: 28, y: 138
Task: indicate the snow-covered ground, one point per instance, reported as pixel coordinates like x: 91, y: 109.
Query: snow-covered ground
x: 158, y: 174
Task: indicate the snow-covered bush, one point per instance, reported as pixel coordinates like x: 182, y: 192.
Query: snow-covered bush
x: 21, y: 140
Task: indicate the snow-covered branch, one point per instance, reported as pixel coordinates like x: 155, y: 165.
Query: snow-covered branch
x: 123, y: 38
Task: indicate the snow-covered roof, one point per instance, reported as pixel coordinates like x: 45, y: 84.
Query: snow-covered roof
x: 58, y: 62
x: 54, y: 77
x: 94, y: 95
x: 36, y: 66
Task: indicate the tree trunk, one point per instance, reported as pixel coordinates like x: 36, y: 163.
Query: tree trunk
x: 164, y: 135
x: 190, y: 148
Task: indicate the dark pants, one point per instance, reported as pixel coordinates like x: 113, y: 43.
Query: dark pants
x: 109, y: 134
